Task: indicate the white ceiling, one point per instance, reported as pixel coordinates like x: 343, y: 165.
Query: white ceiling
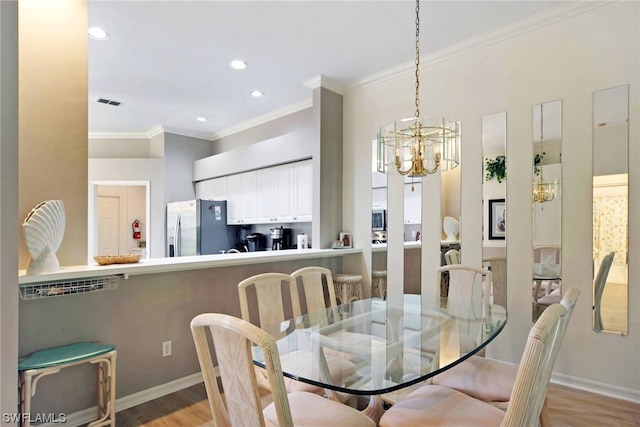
x: 167, y: 61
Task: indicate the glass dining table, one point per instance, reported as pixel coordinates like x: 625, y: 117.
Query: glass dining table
x: 390, y: 346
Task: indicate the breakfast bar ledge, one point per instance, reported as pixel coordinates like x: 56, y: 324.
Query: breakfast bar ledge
x: 164, y: 265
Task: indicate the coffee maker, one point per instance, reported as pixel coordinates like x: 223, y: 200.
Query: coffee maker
x: 280, y: 238
x: 257, y: 242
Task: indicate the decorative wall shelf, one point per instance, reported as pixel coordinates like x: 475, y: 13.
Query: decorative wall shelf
x: 33, y: 291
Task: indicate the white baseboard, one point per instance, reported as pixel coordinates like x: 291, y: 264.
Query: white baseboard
x: 87, y: 415
x: 596, y: 387
x: 591, y: 386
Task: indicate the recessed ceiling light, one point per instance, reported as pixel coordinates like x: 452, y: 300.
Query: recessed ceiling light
x: 257, y: 94
x: 98, y: 33
x: 201, y: 119
x: 237, y: 64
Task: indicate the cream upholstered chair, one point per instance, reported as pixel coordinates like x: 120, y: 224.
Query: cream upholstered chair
x: 239, y: 405
x: 498, y: 267
x: 547, y: 262
x: 269, y: 296
x: 443, y: 406
x: 600, y: 282
x: 491, y: 380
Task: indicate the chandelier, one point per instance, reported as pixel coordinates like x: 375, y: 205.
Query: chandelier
x: 542, y: 191
x: 419, y: 146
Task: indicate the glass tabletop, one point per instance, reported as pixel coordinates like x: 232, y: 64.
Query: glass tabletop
x: 372, y: 346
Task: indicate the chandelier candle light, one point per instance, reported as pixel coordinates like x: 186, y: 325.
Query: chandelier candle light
x: 543, y: 191
x: 419, y: 146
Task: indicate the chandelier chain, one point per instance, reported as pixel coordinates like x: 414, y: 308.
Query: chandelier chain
x: 417, y: 59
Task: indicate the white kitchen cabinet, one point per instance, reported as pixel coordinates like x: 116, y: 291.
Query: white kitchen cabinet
x: 212, y: 189
x: 379, y: 198
x: 413, y: 204
x: 241, y: 198
x: 274, y: 194
x: 279, y: 194
x: 303, y: 191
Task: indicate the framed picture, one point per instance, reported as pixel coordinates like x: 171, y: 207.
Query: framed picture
x: 497, y: 219
x: 346, y: 240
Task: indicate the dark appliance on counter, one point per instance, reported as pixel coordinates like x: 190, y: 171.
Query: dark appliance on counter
x: 257, y: 242
x: 280, y: 238
x: 198, y: 227
x: 378, y: 236
x: 242, y: 243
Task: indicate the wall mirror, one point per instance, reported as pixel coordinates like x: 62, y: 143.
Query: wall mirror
x: 378, y: 227
x: 547, y: 206
x: 610, y: 209
x: 494, y: 192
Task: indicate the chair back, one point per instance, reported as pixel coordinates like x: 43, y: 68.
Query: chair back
x: 532, y: 379
x: 269, y: 290
x: 498, y: 267
x: 462, y: 280
x: 548, y: 259
x: 317, y: 283
x: 232, y: 340
x: 601, y: 280
x: 452, y: 256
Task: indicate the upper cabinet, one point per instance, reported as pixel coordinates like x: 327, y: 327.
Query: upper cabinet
x: 241, y: 198
x: 303, y: 191
x: 413, y: 203
x: 276, y: 194
x: 212, y: 189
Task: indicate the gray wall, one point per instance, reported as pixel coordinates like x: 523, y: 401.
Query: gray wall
x: 179, y: 154
x: 293, y: 122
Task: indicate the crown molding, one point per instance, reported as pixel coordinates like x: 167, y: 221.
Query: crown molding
x: 188, y: 133
x: 518, y: 28
x: 325, y: 82
x: 276, y: 114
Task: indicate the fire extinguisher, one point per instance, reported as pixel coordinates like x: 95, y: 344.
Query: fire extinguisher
x: 136, y: 229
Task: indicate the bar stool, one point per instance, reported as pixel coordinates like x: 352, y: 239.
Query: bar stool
x: 379, y: 283
x: 51, y: 360
x: 348, y: 287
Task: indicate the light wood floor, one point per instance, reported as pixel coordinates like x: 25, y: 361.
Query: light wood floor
x: 568, y: 408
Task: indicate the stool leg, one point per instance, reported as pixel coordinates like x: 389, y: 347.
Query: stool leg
x: 112, y: 390
x: 25, y: 399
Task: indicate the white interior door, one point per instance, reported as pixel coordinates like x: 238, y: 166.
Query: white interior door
x: 108, y: 225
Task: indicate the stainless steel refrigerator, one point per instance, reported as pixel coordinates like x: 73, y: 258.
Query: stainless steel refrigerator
x: 198, y: 227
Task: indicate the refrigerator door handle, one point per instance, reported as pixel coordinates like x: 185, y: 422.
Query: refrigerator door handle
x: 176, y: 236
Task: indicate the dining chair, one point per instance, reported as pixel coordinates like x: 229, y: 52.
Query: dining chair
x: 269, y: 291
x: 444, y: 406
x: 498, y: 267
x: 239, y: 403
x: 452, y: 256
x: 321, y: 302
x: 547, y: 262
x: 492, y: 381
x: 599, y: 283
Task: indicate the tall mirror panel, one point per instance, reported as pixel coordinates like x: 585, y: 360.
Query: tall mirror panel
x: 547, y: 206
x: 378, y: 227
x: 610, y: 209
x: 494, y: 192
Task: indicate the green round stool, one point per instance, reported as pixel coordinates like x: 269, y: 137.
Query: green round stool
x: 50, y: 361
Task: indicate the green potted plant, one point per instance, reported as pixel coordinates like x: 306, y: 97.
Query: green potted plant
x: 496, y: 168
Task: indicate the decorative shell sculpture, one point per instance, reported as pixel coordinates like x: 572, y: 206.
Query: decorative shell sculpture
x: 43, y: 230
x: 451, y: 228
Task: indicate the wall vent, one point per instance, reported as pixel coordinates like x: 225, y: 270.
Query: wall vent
x: 109, y: 101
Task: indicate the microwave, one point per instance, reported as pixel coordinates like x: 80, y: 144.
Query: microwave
x: 379, y: 219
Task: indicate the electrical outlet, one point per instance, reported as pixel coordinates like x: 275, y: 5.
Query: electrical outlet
x: 166, y: 348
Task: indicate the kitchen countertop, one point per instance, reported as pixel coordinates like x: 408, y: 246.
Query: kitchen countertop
x: 163, y: 265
